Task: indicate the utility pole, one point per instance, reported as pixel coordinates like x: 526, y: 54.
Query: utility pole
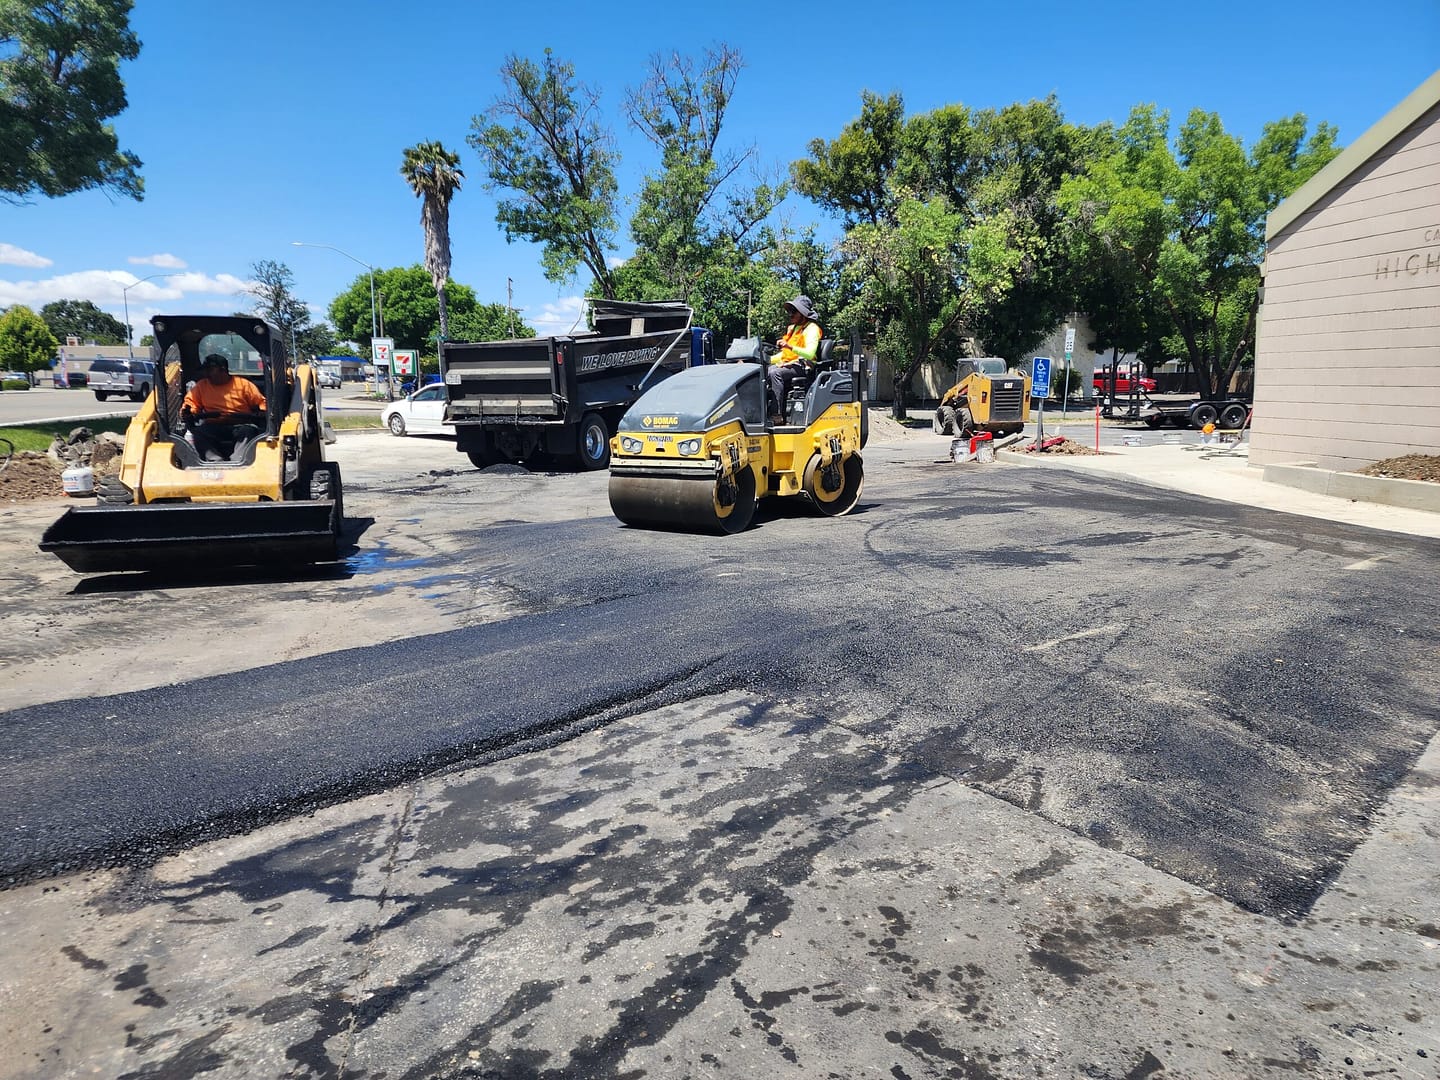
x: 510, y: 303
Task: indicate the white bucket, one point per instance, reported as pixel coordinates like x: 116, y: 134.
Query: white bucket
x: 78, y: 481
x: 1130, y: 440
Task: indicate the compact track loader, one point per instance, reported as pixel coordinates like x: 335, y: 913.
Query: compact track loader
x: 697, y: 453
x: 271, y: 497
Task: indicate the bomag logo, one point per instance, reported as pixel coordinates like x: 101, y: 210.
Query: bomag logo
x: 660, y: 421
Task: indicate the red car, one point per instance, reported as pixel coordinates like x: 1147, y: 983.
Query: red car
x: 1122, y: 382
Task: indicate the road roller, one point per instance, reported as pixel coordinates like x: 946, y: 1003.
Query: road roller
x: 697, y: 452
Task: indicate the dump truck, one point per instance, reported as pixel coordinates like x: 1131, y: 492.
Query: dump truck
x: 253, y: 493
x: 561, y: 397
x: 988, y: 396
x: 698, y: 452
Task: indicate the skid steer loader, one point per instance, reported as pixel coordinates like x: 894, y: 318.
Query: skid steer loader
x: 266, y: 496
x: 986, y: 397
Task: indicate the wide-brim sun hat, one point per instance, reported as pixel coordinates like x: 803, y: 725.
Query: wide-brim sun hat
x: 802, y: 304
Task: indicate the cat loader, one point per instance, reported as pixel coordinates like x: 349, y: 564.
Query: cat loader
x: 987, y: 397
x: 698, y: 451
x: 269, y: 499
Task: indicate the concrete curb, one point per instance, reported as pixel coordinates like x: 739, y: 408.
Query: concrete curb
x: 1388, y: 491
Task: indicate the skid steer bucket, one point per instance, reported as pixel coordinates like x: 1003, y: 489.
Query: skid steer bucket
x: 186, y: 537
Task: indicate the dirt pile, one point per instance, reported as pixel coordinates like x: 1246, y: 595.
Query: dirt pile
x: 83, y: 447
x: 1058, y: 445
x: 1408, y: 467
x: 29, y: 475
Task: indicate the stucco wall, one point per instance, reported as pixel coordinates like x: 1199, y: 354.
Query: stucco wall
x: 1347, y: 367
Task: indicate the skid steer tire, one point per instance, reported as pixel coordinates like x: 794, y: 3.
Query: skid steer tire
x: 109, y: 491
x: 944, y: 423
x: 964, y: 424
x: 323, y: 482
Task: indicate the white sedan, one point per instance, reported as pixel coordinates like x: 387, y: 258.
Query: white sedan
x: 418, y: 414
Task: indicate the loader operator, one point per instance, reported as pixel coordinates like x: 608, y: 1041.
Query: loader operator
x: 220, y: 409
x: 796, y: 357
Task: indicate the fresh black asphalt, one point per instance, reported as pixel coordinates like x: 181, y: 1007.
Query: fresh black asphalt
x: 1225, y: 693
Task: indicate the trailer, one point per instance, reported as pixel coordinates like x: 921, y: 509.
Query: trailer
x: 562, y: 397
x: 1124, y: 395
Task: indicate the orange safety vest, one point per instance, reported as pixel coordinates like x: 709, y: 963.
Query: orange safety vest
x: 236, y: 397
x: 798, y: 343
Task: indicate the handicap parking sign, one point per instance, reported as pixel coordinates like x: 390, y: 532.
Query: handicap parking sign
x: 1040, y: 377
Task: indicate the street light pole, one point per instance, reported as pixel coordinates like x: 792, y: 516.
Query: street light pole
x: 374, y: 329
x: 125, y: 299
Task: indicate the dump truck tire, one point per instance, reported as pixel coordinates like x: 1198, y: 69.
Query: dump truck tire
x: 593, y: 443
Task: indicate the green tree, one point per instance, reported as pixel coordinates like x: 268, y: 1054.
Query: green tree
x: 489, y: 322
x: 544, y: 145
x: 82, y: 319
x: 434, y: 174
x: 59, y: 84
x: 1189, y: 220
x: 273, y: 287
x: 26, y: 343
x: 695, y: 225
x: 409, y: 310
x: 951, y: 223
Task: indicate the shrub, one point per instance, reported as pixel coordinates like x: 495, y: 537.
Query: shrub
x: 15, y: 384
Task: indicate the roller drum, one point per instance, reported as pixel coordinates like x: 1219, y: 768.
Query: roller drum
x: 691, y: 505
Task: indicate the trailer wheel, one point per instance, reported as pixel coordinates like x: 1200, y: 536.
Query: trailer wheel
x: 1203, y: 414
x: 944, y: 422
x: 594, y: 443
x: 1233, y: 417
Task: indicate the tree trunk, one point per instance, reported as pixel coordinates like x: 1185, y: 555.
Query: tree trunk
x: 901, y: 382
x: 444, y: 315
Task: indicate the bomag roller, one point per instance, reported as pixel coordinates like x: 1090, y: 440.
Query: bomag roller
x: 272, y: 500
x: 697, y: 452
x: 987, y: 397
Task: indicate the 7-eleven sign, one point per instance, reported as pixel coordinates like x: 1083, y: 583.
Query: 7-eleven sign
x: 405, y: 360
x: 382, y: 349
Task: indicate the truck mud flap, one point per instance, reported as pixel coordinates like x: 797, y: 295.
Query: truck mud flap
x: 181, y: 538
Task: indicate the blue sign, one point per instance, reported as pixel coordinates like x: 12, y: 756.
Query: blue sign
x: 1040, y: 377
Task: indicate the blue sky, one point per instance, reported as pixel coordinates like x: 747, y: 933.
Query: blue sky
x: 265, y: 122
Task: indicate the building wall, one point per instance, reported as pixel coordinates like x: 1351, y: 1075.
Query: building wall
x: 1347, y: 368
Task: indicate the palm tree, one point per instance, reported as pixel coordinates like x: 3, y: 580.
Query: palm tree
x: 433, y: 173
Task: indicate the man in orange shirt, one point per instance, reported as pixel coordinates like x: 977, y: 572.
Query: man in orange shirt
x: 797, y: 353
x: 225, y: 408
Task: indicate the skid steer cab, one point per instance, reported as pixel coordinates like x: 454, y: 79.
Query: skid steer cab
x: 697, y: 452
x: 231, y: 473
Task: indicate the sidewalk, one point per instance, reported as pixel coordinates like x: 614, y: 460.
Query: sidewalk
x: 1222, y: 473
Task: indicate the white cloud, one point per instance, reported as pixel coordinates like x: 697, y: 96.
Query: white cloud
x: 108, y: 288
x: 564, y: 316
x: 615, y: 261
x: 10, y: 255
x: 164, y: 261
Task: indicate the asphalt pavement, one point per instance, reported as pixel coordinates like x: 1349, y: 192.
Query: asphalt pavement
x: 1031, y: 768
